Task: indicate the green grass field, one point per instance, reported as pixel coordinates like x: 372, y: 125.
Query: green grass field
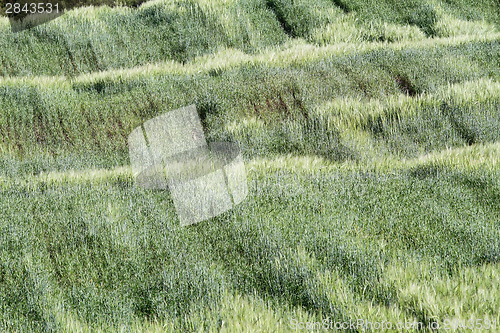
x: 370, y: 132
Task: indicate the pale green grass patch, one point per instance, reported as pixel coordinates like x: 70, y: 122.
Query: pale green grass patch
x: 118, y: 175
x: 245, y: 124
x: 476, y: 157
x: 294, y: 52
x: 390, y: 32
x: 239, y: 313
x: 351, y: 112
x: 342, y: 30
x: 90, y: 175
x: 452, y: 27
x: 470, y: 91
x: 470, y: 293
x: 291, y: 163
x: 59, y: 82
x: 448, y: 25
x: 357, y: 307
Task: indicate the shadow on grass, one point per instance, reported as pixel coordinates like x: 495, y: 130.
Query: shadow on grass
x: 478, y: 194
x: 266, y: 264
x: 258, y: 263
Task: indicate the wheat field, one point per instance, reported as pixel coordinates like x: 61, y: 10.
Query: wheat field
x: 370, y: 131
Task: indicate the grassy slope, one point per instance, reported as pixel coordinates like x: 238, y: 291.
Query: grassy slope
x: 371, y: 139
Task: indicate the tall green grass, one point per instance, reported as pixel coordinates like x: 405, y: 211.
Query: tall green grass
x: 96, y: 114
x: 373, y: 166
x: 89, y: 39
x: 113, y: 254
x: 93, y: 39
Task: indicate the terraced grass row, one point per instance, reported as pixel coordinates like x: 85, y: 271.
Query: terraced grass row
x: 285, y: 105
x: 90, y: 39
